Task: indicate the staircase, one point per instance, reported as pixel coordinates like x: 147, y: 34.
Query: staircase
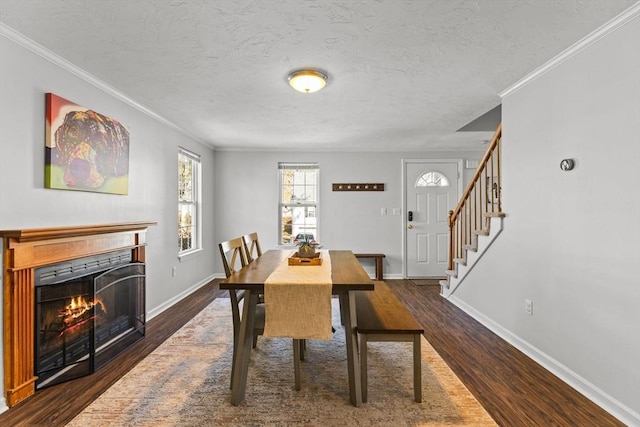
x: 477, y: 219
x: 472, y: 253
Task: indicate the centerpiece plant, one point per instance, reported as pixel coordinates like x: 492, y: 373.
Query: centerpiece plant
x: 306, y: 247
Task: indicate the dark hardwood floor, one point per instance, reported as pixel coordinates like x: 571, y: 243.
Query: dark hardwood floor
x: 513, y: 389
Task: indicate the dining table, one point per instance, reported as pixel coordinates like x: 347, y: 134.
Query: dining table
x: 347, y: 276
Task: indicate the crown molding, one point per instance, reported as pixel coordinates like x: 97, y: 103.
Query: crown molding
x: 18, y: 38
x: 617, y: 22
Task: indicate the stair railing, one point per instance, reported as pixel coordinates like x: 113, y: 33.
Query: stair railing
x: 481, y: 200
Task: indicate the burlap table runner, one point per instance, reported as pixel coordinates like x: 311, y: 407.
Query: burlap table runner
x: 298, y: 301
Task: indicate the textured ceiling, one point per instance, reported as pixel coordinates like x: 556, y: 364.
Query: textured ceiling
x: 403, y: 75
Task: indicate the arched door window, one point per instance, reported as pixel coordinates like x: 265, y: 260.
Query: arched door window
x: 432, y: 179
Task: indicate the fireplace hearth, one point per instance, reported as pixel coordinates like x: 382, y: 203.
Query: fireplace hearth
x: 87, y: 312
x: 73, y: 299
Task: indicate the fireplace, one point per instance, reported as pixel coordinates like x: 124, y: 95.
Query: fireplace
x: 73, y: 298
x: 87, y: 312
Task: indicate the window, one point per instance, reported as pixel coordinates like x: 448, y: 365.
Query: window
x: 188, y: 201
x: 298, y: 203
x: 432, y: 179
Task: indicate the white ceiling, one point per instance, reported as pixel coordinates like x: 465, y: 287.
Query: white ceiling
x: 403, y: 74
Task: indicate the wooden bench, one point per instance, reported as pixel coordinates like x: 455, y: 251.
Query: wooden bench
x: 381, y: 316
x: 378, y: 259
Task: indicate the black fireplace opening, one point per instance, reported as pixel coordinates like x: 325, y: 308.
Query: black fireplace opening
x: 88, y: 311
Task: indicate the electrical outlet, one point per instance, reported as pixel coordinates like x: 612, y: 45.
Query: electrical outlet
x: 174, y: 271
x: 528, y: 307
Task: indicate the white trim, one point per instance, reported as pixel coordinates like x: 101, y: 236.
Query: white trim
x: 190, y: 154
x: 620, y: 20
x: 43, y: 52
x: 190, y: 254
x: 305, y: 166
x: 589, y: 390
x: 168, y: 304
x: 196, y: 202
x: 403, y: 223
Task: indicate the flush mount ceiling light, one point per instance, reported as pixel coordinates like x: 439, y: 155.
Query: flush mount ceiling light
x: 307, y: 81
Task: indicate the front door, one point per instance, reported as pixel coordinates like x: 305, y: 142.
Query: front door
x: 431, y: 191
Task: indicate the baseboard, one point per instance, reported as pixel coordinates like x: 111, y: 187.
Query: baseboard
x: 589, y: 390
x: 3, y: 405
x: 388, y: 277
x: 156, y: 311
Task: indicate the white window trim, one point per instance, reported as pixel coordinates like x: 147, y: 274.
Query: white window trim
x: 195, y: 251
x: 298, y: 165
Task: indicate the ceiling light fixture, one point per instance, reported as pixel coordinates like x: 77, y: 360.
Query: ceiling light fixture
x: 307, y: 81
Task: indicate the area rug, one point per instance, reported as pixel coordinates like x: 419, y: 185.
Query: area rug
x: 185, y: 382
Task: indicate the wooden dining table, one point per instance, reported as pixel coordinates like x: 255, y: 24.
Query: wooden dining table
x: 347, y: 276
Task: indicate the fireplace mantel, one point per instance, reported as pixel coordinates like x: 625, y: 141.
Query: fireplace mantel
x: 24, y: 250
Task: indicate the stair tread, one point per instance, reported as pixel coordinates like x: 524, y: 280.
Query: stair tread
x: 470, y: 248
x: 452, y: 273
x: 481, y: 232
x: 460, y: 261
x: 444, y: 283
x: 494, y: 214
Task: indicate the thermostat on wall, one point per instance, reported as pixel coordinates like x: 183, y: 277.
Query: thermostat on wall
x: 567, y: 164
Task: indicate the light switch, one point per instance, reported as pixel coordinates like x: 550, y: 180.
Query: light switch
x: 383, y: 211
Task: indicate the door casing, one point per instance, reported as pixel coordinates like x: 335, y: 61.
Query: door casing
x: 426, y: 162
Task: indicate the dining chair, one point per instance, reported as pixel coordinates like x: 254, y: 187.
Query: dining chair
x: 252, y: 251
x: 251, y: 246
x: 233, y: 259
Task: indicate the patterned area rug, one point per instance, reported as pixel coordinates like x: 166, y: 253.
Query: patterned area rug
x: 185, y: 382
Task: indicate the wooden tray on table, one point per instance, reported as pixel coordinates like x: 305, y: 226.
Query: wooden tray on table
x: 296, y: 259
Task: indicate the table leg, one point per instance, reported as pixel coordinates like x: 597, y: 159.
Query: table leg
x: 348, y: 308
x: 239, y: 377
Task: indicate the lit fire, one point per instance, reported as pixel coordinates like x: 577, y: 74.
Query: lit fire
x: 77, y: 312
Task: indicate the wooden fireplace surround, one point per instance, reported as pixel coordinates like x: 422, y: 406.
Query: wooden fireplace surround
x: 27, y: 249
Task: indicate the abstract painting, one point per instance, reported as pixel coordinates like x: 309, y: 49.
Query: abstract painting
x: 85, y: 150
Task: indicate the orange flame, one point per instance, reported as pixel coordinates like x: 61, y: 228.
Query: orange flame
x: 78, y: 307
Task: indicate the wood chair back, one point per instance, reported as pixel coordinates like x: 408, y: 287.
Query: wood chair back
x: 251, y: 246
x: 232, y: 252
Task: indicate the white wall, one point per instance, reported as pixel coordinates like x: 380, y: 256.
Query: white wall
x: 25, y: 77
x: 247, y: 199
x: 571, y: 239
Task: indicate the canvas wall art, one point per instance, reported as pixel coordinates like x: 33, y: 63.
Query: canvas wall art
x: 85, y: 150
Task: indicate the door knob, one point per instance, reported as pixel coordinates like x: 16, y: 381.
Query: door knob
x: 410, y: 226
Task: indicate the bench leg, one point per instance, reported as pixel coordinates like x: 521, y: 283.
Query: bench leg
x: 417, y: 370
x: 363, y: 365
x: 379, y: 269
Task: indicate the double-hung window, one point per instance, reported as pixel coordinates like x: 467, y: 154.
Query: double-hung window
x: 298, y: 203
x: 188, y: 202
